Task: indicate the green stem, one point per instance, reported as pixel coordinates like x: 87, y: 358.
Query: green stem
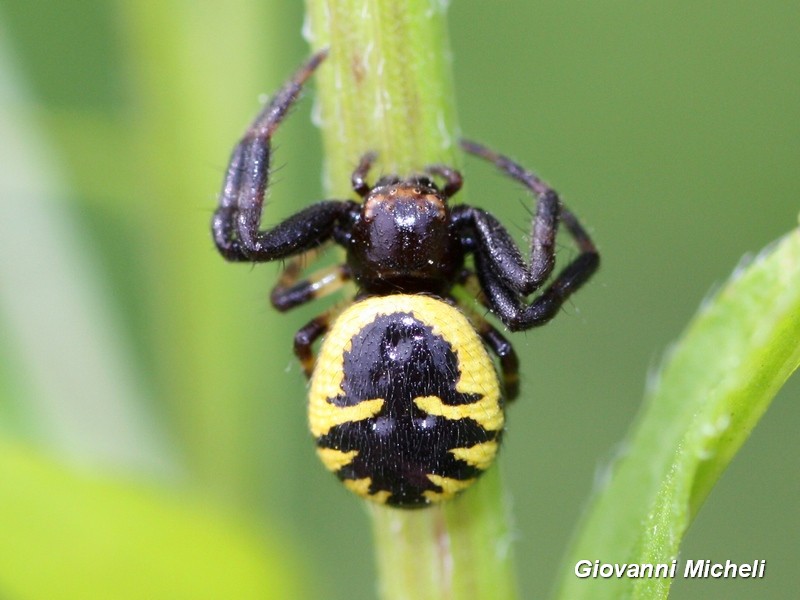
x: 386, y: 87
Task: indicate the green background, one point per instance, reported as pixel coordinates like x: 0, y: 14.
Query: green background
x: 133, y: 353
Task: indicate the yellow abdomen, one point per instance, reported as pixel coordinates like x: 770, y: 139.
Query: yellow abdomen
x: 405, y: 402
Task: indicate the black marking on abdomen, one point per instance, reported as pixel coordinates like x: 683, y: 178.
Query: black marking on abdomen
x: 398, y: 358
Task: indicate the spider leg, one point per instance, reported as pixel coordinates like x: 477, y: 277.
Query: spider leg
x: 497, y: 343
x: 290, y: 291
x: 502, y: 348
x: 308, y: 334
x: 514, y: 310
x: 505, y: 277
x: 237, y: 220
x: 452, y: 177
x: 359, y: 177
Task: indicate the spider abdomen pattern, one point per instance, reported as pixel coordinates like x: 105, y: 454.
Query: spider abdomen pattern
x: 405, y: 403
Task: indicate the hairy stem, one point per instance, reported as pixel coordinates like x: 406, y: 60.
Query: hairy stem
x: 386, y: 87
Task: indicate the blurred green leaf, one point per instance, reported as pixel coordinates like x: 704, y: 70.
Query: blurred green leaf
x: 107, y: 538
x: 196, y: 73
x: 715, y: 385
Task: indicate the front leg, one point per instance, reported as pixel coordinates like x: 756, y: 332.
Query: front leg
x: 505, y: 277
x: 514, y: 310
x: 237, y: 220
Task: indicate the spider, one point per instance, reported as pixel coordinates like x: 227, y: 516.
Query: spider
x: 405, y: 403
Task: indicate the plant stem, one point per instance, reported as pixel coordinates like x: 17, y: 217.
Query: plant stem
x: 386, y: 87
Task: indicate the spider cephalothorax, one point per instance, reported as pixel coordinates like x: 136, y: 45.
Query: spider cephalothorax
x: 403, y: 239
x: 405, y: 403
